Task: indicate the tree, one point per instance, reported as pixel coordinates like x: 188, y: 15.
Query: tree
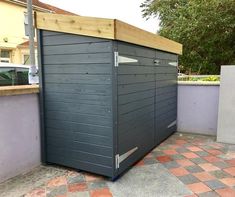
x: 206, y: 28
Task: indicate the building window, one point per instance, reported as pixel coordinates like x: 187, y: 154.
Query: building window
x: 5, y: 56
x: 26, y: 60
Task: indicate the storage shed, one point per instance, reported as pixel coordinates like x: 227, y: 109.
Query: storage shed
x: 108, y: 92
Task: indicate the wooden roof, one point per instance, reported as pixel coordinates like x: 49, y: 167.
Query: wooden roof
x: 105, y: 28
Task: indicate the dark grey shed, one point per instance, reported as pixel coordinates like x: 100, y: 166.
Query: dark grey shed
x: 107, y: 98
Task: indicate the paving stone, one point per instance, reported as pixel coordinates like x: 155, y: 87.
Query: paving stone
x: 171, y: 164
x: 176, y: 157
x: 198, y: 160
x: 78, y: 194
x: 194, y: 169
x: 215, y: 184
x: 219, y: 174
x: 221, y: 164
x: 188, y: 179
x: 97, y: 185
x: 202, y: 153
x: 76, y: 179
x: 209, y: 194
x: 56, y: 191
x: 182, y: 150
x: 157, y: 153
x: 149, y: 161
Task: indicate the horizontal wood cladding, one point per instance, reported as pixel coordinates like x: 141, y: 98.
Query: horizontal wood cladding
x: 136, y: 93
x: 77, y: 77
x: 105, y: 28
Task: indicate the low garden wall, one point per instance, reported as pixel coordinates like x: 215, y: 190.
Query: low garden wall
x: 19, y: 130
x: 20, y: 124
x: 198, y: 107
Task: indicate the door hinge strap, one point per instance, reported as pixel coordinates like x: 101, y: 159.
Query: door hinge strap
x: 121, y: 158
x: 172, y: 124
x: 122, y: 59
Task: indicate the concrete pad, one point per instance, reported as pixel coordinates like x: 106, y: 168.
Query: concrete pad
x: 151, y: 181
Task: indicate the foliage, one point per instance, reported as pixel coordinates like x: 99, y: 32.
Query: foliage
x: 206, y: 28
x: 200, y: 78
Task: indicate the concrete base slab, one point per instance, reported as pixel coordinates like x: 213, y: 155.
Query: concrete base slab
x: 150, y: 181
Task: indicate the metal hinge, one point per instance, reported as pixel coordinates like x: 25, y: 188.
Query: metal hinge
x: 122, y: 59
x: 121, y: 158
x: 172, y: 124
x: 116, y: 59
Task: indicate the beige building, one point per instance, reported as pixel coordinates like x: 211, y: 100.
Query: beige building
x: 14, y: 44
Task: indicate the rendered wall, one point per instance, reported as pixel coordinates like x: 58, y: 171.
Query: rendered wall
x: 198, y: 107
x: 19, y: 135
x: 226, y: 117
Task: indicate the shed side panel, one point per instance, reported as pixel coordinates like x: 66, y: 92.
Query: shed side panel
x: 166, y: 95
x: 136, y: 92
x: 77, y: 73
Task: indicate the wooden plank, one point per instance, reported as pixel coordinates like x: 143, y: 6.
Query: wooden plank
x: 105, y: 28
x: 88, y: 26
x: 131, y: 34
x: 17, y: 90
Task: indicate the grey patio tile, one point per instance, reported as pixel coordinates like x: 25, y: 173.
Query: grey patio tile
x: 78, y: 194
x: 188, y: 179
x: 209, y: 194
x: 215, y: 184
x: 157, y: 153
x: 178, y: 156
x: 76, y: 179
x: 219, y: 174
x: 202, y: 153
x: 182, y: 150
x: 56, y: 191
x: 198, y: 160
x: 221, y: 164
x: 194, y: 169
x: 97, y: 185
x: 149, y: 161
x: 171, y: 164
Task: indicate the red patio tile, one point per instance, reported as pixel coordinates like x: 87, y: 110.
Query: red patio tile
x: 164, y: 158
x: 170, y: 152
x: 214, y: 152
x: 174, y: 146
x: 185, y: 162
x: 228, y: 181
x: 190, y: 155
x: 208, y: 167
x: 181, y: 142
x: 77, y: 187
x: 179, y: 171
x: 57, y: 182
x: 150, y: 155
x: 36, y: 193
x: 204, y: 176
x: 212, y: 159
x: 231, y: 162
x: 194, y: 148
x: 226, y: 192
x: 230, y: 170
x: 101, y: 193
x: 140, y: 163
x: 198, y: 188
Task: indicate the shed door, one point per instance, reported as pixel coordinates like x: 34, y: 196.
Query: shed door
x: 166, y: 95
x: 136, y: 92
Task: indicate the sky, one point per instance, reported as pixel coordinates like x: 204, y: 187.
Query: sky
x: 128, y: 11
